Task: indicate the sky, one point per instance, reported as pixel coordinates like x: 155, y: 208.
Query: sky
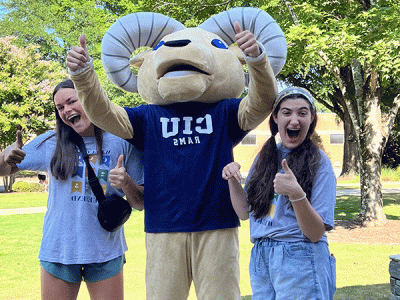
x: 2, y: 11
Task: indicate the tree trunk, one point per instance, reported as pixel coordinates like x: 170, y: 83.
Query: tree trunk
x: 351, y: 160
x: 371, y: 212
x: 371, y: 140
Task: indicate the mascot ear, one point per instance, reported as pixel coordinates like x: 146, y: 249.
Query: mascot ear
x: 260, y: 23
x: 138, y: 60
x: 127, y: 34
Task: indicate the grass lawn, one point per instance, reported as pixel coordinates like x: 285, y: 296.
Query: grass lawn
x: 348, y: 206
x: 362, y: 270
x: 17, y: 200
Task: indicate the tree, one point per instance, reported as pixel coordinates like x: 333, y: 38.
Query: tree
x: 57, y: 25
x: 26, y: 85
x: 345, y: 54
x: 54, y: 25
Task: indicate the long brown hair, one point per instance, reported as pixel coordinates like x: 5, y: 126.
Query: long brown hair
x: 64, y: 161
x: 303, y: 161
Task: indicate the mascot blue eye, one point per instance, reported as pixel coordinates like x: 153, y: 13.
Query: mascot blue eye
x: 158, y: 45
x: 219, y: 44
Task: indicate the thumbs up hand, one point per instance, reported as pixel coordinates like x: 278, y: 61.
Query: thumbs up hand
x: 78, y: 56
x: 19, y: 142
x: 286, y: 183
x: 118, y: 177
x: 246, y: 41
x: 14, y: 154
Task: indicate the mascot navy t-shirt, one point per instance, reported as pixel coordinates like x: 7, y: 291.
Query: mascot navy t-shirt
x: 186, y: 146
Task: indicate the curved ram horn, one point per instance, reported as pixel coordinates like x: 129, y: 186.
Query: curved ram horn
x: 127, y: 34
x: 260, y: 23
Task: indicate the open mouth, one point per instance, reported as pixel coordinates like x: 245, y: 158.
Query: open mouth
x: 293, y: 133
x: 74, y: 118
x: 182, y: 70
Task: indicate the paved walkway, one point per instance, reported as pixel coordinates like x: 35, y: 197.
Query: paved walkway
x: 23, y: 210
x: 356, y: 192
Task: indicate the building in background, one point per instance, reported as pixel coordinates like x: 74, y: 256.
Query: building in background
x: 329, y: 135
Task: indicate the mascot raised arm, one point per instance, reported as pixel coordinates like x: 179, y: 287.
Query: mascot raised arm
x: 192, y: 79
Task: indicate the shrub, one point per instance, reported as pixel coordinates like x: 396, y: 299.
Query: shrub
x: 389, y: 174
x: 22, y: 174
x: 26, y: 187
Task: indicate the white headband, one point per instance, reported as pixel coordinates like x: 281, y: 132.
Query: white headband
x: 293, y: 91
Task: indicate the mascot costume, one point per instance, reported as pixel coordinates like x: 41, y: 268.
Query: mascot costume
x: 191, y: 79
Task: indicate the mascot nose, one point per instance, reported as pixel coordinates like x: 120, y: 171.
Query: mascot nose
x: 177, y: 43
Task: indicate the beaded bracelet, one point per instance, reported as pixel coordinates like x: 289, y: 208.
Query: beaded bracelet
x: 302, y: 198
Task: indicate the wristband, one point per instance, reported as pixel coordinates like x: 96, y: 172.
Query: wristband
x: 302, y: 198
x: 81, y: 70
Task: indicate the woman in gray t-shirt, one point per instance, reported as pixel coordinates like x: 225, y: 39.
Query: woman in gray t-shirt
x: 74, y: 246
x: 289, y: 196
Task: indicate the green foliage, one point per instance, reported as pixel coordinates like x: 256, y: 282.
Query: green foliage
x: 26, y: 83
x: 387, y: 175
x: 26, y: 173
x: 56, y: 25
x: 27, y: 187
x: 119, y: 96
x: 192, y: 13
x: 344, y: 32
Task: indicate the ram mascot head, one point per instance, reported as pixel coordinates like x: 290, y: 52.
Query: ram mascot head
x: 187, y: 64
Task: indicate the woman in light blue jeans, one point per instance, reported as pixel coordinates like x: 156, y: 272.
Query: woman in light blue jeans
x: 290, y: 197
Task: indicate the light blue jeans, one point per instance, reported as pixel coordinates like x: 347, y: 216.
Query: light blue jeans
x: 292, y: 271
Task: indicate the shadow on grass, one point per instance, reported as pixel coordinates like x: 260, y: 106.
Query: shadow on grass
x: 359, y: 292
x: 344, y: 188
x: 392, y: 200
x: 348, y: 207
x: 391, y: 217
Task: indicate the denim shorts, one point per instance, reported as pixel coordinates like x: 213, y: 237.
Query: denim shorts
x: 87, y: 272
x: 292, y: 271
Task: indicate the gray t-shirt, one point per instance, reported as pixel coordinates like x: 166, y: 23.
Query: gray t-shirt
x: 71, y: 231
x: 281, y: 223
